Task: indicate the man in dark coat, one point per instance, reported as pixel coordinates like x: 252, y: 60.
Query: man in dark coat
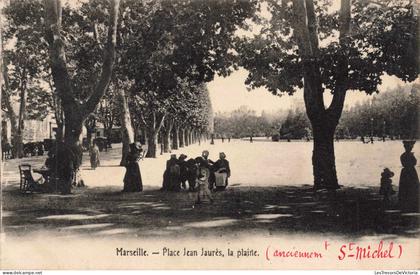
x: 191, y: 174
x: 183, y: 170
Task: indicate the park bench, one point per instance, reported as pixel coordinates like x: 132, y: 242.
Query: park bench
x: 27, y: 181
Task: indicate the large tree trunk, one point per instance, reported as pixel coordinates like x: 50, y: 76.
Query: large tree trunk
x: 74, y: 112
x: 323, y: 158
x: 324, y: 121
x: 175, y: 140
x: 127, y: 132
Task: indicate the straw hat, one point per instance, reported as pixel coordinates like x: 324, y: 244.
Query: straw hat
x: 387, y: 173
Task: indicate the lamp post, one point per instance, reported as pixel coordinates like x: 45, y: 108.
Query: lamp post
x: 371, y: 130
x: 383, y: 131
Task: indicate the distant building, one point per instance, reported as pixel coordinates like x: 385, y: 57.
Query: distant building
x: 33, y: 130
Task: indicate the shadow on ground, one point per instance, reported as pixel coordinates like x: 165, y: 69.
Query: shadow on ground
x: 106, y: 211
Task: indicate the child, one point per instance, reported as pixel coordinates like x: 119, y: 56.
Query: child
x: 203, y: 182
x: 386, y: 186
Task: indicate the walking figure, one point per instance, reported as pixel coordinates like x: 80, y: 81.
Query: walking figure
x: 94, y: 156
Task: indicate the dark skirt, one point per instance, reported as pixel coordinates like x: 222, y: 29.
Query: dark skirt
x: 94, y: 160
x: 132, y: 178
x: 408, y: 193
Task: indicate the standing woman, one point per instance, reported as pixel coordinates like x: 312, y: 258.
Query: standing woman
x: 408, y: 193
x: 94, y: 156
x: 132, y: 178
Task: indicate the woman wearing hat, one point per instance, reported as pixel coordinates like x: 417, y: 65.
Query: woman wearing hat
x: 132, y: 178
x: 221, y: 171
x: 408, y: 194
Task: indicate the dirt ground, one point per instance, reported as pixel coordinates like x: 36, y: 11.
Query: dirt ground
x: 252, y: 212
x: 101, y: 209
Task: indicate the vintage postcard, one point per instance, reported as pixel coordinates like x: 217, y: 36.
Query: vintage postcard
x: 209, y: 134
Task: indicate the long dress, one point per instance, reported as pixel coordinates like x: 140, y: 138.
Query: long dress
x: 408, y: 194
x: 132, y: 178
x: 94, y: 157
x: 171, y: 176
x: 222, y: 172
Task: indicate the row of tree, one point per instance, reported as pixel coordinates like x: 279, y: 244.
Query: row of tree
x: 393, y: 113
x: 142, y: 53
x: 141, y: 65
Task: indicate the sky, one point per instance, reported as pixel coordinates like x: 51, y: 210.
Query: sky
x: 230, y: 93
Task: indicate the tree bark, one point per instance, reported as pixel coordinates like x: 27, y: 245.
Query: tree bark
x: 175, y: 140
x: 127, y: 132
x: 152, y: 135
x: 16, y: 139
x: 187, y: 137
x: 323, y: 157
x: 1, y: 84
x: 324, y: 121
x: 152, y: 141
x: 181, y: 138
x: 75, y: 112
x: 167, y: 136
x: 90, y: 124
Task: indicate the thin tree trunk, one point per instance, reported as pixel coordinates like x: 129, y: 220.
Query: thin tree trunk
x: 22, y: 110
x: 167, y: 136
x: 181, y: 138
x: 175, y: 140
x: 11, y: 113
x: 1, y: 85
x: 152, y: 135
x: 90, y: 125
x: 187, y: 137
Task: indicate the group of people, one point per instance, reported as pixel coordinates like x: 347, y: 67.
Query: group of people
x: 408, y: 193
x: 201, y: 174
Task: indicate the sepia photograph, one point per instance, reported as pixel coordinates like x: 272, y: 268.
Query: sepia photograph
x: 209, y: 135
